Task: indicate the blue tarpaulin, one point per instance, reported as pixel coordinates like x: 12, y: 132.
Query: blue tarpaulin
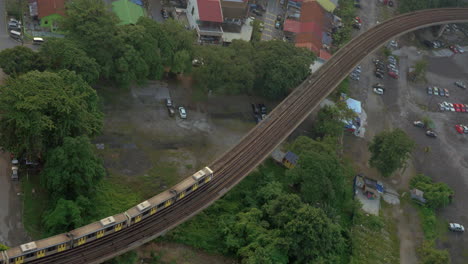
x: 138, y: 2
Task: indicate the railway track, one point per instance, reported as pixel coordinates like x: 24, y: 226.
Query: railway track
x: 235, y: 164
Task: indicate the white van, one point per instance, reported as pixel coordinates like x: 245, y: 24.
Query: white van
x: 15, y: 34
x: 38, y: 41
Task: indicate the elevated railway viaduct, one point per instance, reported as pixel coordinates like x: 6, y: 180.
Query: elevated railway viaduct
x: 236, y: 163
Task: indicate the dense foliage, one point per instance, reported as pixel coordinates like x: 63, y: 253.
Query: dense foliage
x: 39, y: 109
x: 430, y: 255
x: 390, y: 150
x: 19, y: 60
x: 413, y: 5
x: 346, y: 11
x: 72, y: 169
x: 265, y: 220
x: 270, y: 68
x: 438, y: 194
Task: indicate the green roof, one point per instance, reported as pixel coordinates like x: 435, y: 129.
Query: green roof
x: 127, y: 11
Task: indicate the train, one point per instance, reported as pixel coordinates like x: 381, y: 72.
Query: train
x: 116, y: 223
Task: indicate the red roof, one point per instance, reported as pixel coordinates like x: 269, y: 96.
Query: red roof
x: 309, y: 41
x: 324, y: 55
x: 301, y: 27
x: 50, y: 7
x: 308, y: 45
x: 292, y: 26
x: 210, y: 10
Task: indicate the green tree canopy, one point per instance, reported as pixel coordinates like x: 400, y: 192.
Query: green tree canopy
x: 437, y: 194
x: 279, y: 67
x: 61, y: 54
x: 72, y: 169
x: 19, y: 60
x: 430, y: 255
x: 390, y: 150
x: 64, y: 217
x: 40, y: 109
x: 91, y: 24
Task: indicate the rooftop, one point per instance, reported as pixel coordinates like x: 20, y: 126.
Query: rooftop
x: 50, y: 7
x: 210, y: 10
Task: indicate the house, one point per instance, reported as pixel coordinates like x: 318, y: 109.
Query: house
x: 370, y: 187
x: 206, y: 17
x: 47, y: 12
x: 418, y: 195
x: 288, y: 159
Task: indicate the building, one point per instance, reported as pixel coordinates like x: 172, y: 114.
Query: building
x: 47, y: 12
x: 418, y: 195
x: 206, y: 17
x: 370, y: 187
x: 288, y: 159
x: 310, y: 27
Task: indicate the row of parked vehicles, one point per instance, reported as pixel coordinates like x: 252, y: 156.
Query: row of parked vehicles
x: 391, y: 68
x: 429, y: 131
x: 356, y: 73
x: 444, y: 106
x: 259, y: 112
x: 171, y: 110
x: 434, y: 90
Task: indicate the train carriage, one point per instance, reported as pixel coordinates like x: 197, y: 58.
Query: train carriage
x: 167, y: 198
x: 38, y: 249
x: 98, y: 229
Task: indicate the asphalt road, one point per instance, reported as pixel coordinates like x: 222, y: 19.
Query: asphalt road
x: 155, y: 10
x: 273, y: 8
x: 5, y: 41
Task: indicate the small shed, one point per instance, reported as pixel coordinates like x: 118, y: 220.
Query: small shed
x: 418, y: 195
x: 290, y: 160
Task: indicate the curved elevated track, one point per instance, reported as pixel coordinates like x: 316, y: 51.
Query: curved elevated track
x: 236, y: 163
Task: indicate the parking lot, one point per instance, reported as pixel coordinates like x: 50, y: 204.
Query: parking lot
x: 445, y: 157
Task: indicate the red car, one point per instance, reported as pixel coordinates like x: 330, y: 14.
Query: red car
x: 463, y: 108
x: 457, y: 107
x: 358, y: 19
x: 459, y: 129
x: 454, y: 49
x: 393, y: 75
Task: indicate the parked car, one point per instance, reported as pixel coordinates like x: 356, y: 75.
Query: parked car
x: 393, y: 44
x: 429, y: 90
x: 428, y: 43
x: 431, y: 133
x: 379, y: 91
x: 164, y: 13
x: 168, y: 102
x: 453, y: 49
x: 456, y: 227
x: 459, y: 129
x: 277, y: 24
x: 171, y: 111
x: 457, y: 107
x: 436, y: 90
x: 393, y: 75
x: 459, y: 49
x: 182, y: 112
x: 256, y: 12
x: 255, y: 109
x: 419, y: 124
x: 379, y: 75
x: 446, y: 93
x: 279, y: 18
x: 441, y: 92
x: 460, y: 84
x: 14, y: 173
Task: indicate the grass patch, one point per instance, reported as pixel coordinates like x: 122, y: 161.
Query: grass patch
x: 433, y: 227
x: 374, y: 238
x: 34, y: 205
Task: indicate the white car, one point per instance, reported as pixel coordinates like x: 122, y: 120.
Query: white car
x: 393, y: 44
x: 460, y: 49
x: 456, y: 227
x: 182, y: 112
x: 378, y: 91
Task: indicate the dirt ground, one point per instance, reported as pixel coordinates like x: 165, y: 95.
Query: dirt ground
x: 180, y: 254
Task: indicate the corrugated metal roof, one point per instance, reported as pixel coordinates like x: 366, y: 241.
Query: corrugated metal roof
x: 291, y: 157
x: 210, y: 10
x: 50, y: 7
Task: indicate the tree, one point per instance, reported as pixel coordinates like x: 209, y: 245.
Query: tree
x: 329, y: 122
x: 72, y: 169
x: 390, y: 150
x: 19, y: 60
x: 182, y: 62
x: 431, y: 255
x: 3, y: 247
x: 226, y: 70
x: 279, y: 67
x: 40, y: 109
x: 64, y: 217
x: 59, y: 54
x: 313, y: 237
x: 437, y: 194
x: 94, y: 27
